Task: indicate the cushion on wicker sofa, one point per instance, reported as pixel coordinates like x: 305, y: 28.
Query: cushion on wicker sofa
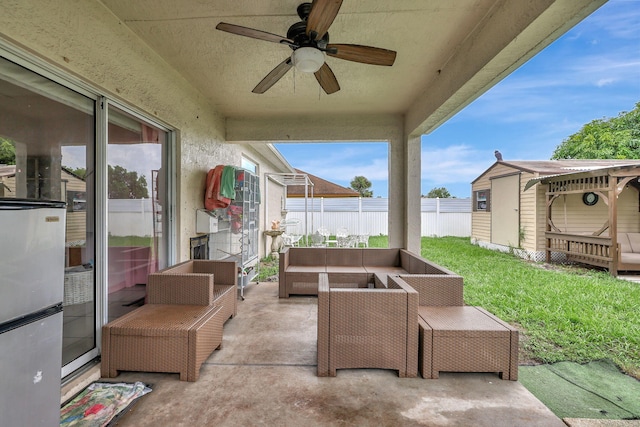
x: 629, y: 251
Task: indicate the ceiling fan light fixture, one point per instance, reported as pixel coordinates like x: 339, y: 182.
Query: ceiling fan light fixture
x: 307, y: 59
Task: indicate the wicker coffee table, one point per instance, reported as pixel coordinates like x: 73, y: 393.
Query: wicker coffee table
x: 466, y: 339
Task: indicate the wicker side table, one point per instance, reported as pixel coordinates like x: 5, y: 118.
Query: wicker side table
x: 466, y: 339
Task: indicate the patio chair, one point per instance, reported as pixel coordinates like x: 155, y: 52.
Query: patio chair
x: 291, y: 240
x: 362, y: 239
x: 295, y: 240
x: 342, y: 237
x: 287, y: 240
x: 361, y: 327
x: 325, y: 233
x: 318, y: 240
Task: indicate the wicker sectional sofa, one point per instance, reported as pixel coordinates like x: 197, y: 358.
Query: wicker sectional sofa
x: 349, y: 267
x: 398, y: 311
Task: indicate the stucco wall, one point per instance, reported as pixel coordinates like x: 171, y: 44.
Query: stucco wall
x: 86, y: 40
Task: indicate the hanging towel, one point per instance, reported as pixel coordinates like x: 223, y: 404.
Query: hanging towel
x: 212, y: 197
x: 228, y: 182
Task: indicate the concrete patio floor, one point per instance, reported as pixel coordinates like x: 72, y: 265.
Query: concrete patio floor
x: 265, y: 374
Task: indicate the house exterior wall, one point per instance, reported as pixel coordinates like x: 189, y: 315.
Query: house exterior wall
x: 85, y: 39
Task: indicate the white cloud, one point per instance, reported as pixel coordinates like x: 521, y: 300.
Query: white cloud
x: 444, y: 166
x: 142, y: 158
x: 604, y: 82
x: 74, y: 156
x: 341, y: 162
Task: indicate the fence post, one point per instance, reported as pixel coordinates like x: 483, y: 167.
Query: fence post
x: 359, y: 215
x: 322, y: 211
x: 438, y: 217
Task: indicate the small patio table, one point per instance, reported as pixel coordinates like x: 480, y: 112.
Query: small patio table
x: 466, y: 339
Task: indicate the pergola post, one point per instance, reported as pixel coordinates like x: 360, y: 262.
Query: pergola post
x: 613, y: 224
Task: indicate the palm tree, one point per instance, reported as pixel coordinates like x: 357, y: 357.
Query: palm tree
x: 362, y: 185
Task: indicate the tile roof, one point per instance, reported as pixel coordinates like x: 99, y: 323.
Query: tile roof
x: 321, y: 188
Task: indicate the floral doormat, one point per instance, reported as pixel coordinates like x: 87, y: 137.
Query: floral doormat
x: 101, y: 403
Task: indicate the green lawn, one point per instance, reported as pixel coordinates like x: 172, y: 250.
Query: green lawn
x: 130, y: 241
x: 563, y: 313
x: 571, y: 314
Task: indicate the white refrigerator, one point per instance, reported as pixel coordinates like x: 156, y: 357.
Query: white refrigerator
x: 32, y: 237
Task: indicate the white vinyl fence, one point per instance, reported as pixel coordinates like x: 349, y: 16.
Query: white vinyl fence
x: 439, y: 217
x: 130, y: 217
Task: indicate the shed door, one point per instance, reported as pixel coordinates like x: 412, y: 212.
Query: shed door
x: 505, y: 218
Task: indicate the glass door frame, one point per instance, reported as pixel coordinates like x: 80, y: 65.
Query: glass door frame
x: 30, y: 62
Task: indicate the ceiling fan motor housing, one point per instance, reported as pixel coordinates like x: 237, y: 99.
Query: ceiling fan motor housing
x: 298, y: 33
x: 304, y: 10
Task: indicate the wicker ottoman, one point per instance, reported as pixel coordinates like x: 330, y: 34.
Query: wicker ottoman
x: 466, y: 339
x: 162, y: 338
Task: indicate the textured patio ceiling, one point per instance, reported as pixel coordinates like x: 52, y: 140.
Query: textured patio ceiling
x: 448, y: 53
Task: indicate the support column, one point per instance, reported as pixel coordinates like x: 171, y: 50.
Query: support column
x: 397, y: 183
x: 412, y: 237
x: 404, y: 193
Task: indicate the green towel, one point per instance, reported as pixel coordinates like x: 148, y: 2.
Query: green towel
x: 228, y: 182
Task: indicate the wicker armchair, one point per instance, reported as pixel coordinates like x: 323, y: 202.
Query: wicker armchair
x: 367, y: 328
x: 179, y: 327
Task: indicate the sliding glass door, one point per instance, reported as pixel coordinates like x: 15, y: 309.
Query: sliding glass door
x: 47, y: 140
x: 62, y: 141
x: 136, y: 200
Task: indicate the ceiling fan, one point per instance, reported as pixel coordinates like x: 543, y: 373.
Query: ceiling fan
x: 309, y: 40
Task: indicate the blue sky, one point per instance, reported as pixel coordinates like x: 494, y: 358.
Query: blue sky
x: 591, y: 72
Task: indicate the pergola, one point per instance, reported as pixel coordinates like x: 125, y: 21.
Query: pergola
x: 600, y: 248
x: 287, y: 179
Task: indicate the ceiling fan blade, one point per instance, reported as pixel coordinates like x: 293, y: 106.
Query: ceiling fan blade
x: 327, y: 79
x: 364, y: 54
x: 321, y: 16
x: 273, y: 77
x: 254, y: 34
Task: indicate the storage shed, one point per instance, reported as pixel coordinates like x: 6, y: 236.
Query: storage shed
x: 514, y: 209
